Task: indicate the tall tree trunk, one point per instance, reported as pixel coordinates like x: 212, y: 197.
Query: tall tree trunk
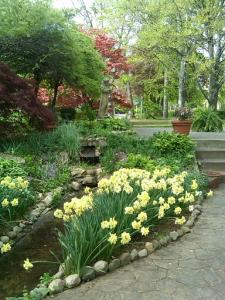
x: 103, y: 107
x: 213, y: 80
x: 182, y: 82
x: 55, y: 92
x: 165, y: 96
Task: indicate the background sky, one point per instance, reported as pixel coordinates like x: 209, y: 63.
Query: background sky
x: 69, y: 3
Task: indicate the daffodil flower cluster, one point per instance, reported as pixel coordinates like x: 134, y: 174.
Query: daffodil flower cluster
x: 5, y: 248
x: 14, y: 183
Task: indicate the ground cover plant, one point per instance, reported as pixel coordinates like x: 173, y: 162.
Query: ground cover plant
x: 131, y: 202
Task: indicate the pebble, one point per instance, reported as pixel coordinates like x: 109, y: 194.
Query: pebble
x: 101, y: 267
x: 88, y: 273
x: 114, y: 264
x: 174, y: 235
x: 133, y: 255
x: 4, y: 239
x: 150, y: 247
x: 17, y: 229
x: 12, y: 234
x: 125, y: 259
x: 56, y: 286
x: 143, y: 253
x: 72, y: 281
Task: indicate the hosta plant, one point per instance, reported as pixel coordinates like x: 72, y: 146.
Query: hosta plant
x: 131, y: 202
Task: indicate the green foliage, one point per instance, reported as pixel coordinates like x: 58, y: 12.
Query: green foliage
x: 86, y: 241
x: 45, y: 279
x: 11, y: 168
x: 15, y: 198
x: 166, y: 143
x: 221, y: 114
x: 207, y: 120
x: 63, y: 138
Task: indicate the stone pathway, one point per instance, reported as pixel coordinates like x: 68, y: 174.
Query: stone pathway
x: 189, y: 269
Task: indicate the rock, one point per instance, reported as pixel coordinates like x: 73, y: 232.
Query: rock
x: 72, y: 280
x: 89, y: 181
x: 48, y: 199
x: 88, y: 273
x: 59, y: 275
x: 133, y: 255
x: 190, y: 222
x: 98, y: 171
x: 39, y: 293
x: 125, y: 259
x: 1, y: 244
x: 77, y: 172
x: 195, y: 212
x: 199, y: 207
x: 56, y: 286
x: 91, y: 172
x: 174, y: 235
x: 4, y: 239
x: 114, y: 264
x: 143, y: 253
x: 17, y: 229
x: 22, y: 225
x: 12, y: 234
x: 180, y: 232
x: 62, y: 268
x: 101, y: 267
x: 156, y: 244
x: 185, y: 229
x: 76, y: 185
x: 150, y: 247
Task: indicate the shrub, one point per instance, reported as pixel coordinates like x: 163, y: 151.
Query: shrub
x: 131, y: 202
x: 207, y: 120
x: 221, y: 114
x: 67, y: 113
x: 11, y: 168
x: 63, y: 138
x: 15, y: 198
x: 167, y: 143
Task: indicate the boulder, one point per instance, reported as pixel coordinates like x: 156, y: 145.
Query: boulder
x: 56, y: 286
x: 72, y: 281
x: 101, y: 267
x: 114, y: 264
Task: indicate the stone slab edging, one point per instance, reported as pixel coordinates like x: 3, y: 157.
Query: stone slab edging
x: 101, y: 267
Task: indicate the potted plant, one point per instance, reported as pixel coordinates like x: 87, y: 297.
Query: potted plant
x: 182, y: 123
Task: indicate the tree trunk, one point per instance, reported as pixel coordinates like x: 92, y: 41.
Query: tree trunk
x: 103, y: 107
x: 54, y: 99
x: 213, y: 76
x: 182, y: 82
x: 165, y: 96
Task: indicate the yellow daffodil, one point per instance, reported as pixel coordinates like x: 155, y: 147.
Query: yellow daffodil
x: 112, y: 238
x: 177, y: 210
x: 27, y: 264
x: 125, y: 238
x: 180, y: 221
x: 129, y: 210
x: 58, y: 213
x: 15, y: 202
x: 142, y: 216
x: 5, y: 248
x: 5, y: 202
x: 210, y: 193
x: 136, y: 225
x: 144, y: 231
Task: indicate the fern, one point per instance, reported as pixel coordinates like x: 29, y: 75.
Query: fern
x: 207, y: 120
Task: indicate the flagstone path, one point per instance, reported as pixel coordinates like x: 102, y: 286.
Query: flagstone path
x: 189, y: 269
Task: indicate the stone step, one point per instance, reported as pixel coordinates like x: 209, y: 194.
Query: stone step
x: 210, y: 153
x: 213, y: 164
x: 212, y: 143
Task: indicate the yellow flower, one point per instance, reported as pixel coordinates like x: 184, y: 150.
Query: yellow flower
x: 58, y: 213
x: 5, y: 248
x: 161, y: 212
x: 177, y: 210
x: 137, y: 205
x: 128, y: 189
x: 136, y: 225
x: 180, y: 221
x: 166, y: 206
x: 142, y: 216
x: 112, y: 238
x: 66, y: 218
x: 161, y: 200
x: 87, y: 190
x: 171, y: 200
x: 210, y: 193
x: 104, y: 224
x: 129, y: 210
x: 12, y: 185
x: 154, y: 202
x: 15, y: 202
x: 5, y: 203
x: 125, y: 238
x: 27, y: 264
x: 194, y: 185
x: 112, y: 223
x: 144, y: 231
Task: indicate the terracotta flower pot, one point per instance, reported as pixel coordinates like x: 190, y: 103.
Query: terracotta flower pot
x: 182, y: 126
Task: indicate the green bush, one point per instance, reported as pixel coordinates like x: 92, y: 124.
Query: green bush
x: 221, y: 114
x: 11, y: 168
x: 171, y: 143
x: 67, y: 113
x: 63, y: 138
x: 207, y: 120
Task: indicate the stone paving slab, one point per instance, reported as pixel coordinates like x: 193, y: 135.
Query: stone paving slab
x: 192, y: 268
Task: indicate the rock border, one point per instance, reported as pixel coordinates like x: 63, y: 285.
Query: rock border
x: 101, y: 268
